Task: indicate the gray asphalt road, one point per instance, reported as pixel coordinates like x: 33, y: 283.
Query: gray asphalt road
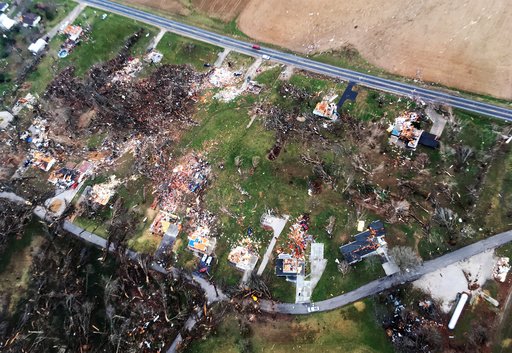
x: 394, y: 280
x: 395, y: 87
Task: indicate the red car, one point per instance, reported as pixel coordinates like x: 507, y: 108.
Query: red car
x: 256, y: 46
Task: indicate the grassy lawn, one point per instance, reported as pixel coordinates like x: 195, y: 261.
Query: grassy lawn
x: 181, y: 50
x: 352, y: 329
x: 51, y: 18
x: 280, y: 185
x: 238, y: 61
x: 103, y: 42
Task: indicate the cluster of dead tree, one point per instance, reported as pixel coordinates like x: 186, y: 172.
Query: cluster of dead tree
x: 13, y: 218
x: 76, y: 303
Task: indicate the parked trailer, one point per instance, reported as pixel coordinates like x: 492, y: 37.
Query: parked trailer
x: 458, y: 310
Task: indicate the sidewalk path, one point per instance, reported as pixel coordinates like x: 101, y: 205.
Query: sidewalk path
x: 277, y: 224
x: 154, y: 42
x: 221, y: 57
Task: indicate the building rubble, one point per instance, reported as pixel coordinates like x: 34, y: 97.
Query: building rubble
x: 501, y: 269
x: 244, y: 256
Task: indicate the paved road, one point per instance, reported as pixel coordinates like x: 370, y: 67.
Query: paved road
x: 394, y: 280
x: 395, y: 87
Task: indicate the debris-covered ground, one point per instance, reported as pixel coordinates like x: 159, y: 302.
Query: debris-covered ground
x: 161, y: 157
x: 78, y: 303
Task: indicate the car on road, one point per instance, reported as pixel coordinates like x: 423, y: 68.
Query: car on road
x: 256, y: 46
x: 266, y: 57
x: 312, y: 308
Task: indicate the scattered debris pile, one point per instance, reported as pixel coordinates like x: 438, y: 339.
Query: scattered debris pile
x: 298, y: 94
x: 41, y: 161
x: 298, y: 238
x: 37, y: 134
x: 148, y: 106
x: 26, y: 102
x: 199, y: 241
x: 245, y: 255
x: 102, y: 193
x: 188, y: 177
x: 162, y: 222
x: 406, y: 132
x: 179, y: 191
x: 413, y: 330
x: 327, y: 108
x: 70, y: 177
x: 221, y: 77
x: 501, y: 269
x: 153, y: 57
x: 128, y: 71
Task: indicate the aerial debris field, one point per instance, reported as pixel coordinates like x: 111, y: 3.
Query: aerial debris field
x: 239, y: 179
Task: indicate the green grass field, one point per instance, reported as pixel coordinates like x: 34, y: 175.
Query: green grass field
x: 181, y: 50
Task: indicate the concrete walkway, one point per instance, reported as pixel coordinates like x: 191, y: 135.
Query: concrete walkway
x: 277, y: 224
x: 154, y: 42
x: 304, y: 287
x: 287, y: 73
x: 70, y: 18
x: 438, y: 120
x: 13, y: 197
x: 221, y: 57
x: 251, y: 73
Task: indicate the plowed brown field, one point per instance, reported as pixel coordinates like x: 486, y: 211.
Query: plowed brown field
x: 226, y: 10
x: 459, y: 43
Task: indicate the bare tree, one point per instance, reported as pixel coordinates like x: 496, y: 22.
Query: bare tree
x: 344, y: 267
x: 331, y: 222
x: 405, y: 257
x: 256, y: 161
x: 446, y: 218
x: 462, y: 155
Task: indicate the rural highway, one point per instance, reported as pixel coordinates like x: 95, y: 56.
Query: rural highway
x: 391, y: 281
x: 382, y: 84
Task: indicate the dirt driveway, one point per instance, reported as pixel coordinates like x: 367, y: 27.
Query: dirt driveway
x: 460, y: 43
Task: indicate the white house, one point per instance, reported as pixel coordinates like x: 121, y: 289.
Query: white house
x: 37, y: 46
x: 6, y: 23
